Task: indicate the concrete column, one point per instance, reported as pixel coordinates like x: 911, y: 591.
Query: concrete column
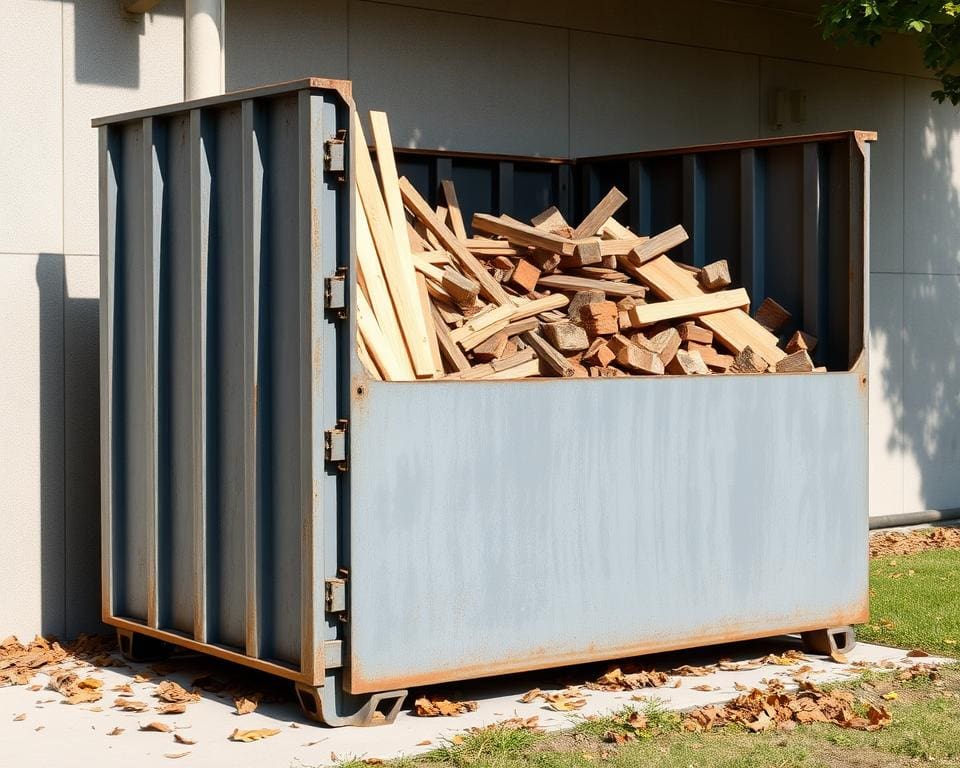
x: 203, y: 60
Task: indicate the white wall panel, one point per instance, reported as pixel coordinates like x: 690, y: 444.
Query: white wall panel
x: 931, y: 214
x: 841, y: 99
x: 31, y: 446
x: 459, y: 82
x: 31, y: 138
x: 110, y: 64
x: 284, y: 40
x: 886, y: 394
x: 629, y: 95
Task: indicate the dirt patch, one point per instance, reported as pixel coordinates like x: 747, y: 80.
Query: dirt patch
x: 912, y: 542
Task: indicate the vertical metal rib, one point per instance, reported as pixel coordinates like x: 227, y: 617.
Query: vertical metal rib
x: 694, y: 210
x: 639, y: 198
x: 565, y: 190
x: 444, y: 170
x: 751, y: 227
x: 199, y: 232
x: 812, y: 250
x: 310, y: 612
x: 859, y: 225
x: 108, y: 257
x: 251, y: 192
x: 505, y: 186
x: 152, y: 196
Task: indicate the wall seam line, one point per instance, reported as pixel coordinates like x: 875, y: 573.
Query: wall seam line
x: 63, y: 303
x: 903, y: 289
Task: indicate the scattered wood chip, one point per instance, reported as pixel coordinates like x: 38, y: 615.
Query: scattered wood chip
x: 917, y: 653
x: 181, y: 739
x: 245, y: 705
x: 253, y: 735
x: 155, y: 726
x: 175, y: 755
x: 20, y: 718
x: 116, y: 731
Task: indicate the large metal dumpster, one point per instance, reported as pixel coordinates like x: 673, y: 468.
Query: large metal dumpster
x: 265, y: 501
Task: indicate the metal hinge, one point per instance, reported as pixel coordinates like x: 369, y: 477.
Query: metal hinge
x: 336, y: 445
x: 333, y: 152
x: 335, y: 595
x: 335, y: 292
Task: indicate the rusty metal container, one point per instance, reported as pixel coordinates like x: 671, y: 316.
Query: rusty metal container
x: 266, y: 502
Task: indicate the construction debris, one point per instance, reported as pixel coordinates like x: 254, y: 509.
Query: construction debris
x: 545, y: 299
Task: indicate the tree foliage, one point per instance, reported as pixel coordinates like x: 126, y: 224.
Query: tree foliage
x: 934, y: 25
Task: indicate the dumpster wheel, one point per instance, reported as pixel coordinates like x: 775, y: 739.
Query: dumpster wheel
x: 137, y: 647
x: 332, y: 706
x: 830, y: 641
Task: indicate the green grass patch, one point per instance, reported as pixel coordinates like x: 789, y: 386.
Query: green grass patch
x: 915, y: 602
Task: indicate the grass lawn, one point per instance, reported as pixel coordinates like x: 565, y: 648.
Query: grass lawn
x: 915, y: 602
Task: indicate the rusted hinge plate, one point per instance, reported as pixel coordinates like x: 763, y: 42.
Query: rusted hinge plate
x: 335, y: 444
x: 335, y: 595
x: 334, y: 153
x: 335, y: 292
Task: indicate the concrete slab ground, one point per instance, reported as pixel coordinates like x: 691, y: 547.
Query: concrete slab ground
x: 52, y: 733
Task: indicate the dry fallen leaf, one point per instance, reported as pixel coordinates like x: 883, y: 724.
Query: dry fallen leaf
x: 129, y: 705
x: 890, y: 696
x: 183, y: 739
x: 840, y: 658
x: 424, y: 707
x: 142, y: 678
x: 917, y: 653
x: 246, y: 705
x: 741, y: 687
x: 84, y: 696
x: 91, y: 683
x: 618, y: 737
x: 565, y: 701
x: 530, y: 695
x: 116, y: 731
x: 373, y: 761
x: 706, y: 688
x: 254, y: 735
x: 172, y: 692
x: 123, y: 690
x: 19, y: 718
x: 155, y: 726
x: 424, y: 743
x: 172, y: 708
x: 176, y: 755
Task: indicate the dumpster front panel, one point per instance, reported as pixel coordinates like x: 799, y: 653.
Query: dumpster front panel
x: 502, y: 527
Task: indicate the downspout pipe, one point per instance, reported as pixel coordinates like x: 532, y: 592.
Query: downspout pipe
x: 914, y: 518
x: 203, y: 49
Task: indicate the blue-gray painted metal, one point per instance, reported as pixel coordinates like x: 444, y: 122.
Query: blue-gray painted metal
x: 480, y: 527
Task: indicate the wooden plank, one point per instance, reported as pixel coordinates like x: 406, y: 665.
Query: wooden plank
x: 472, y: 340
x: 797, y: 362
x: 614, y: 230
x: 468, y: 262
x: 538, y: 306
x: 550, y: 220
x: 522, y: 326
x: 522, y: 234
x: 453, y: 209
x: 771, y: 315
x: 691, y: 306
x: 658, y: 244
x: 609, y: 287
x: 523, y: 370
x: 364, y: 354
x: 397, y: 268
x: 425, y: 305
x: 480, y: 321
x: 448, y: 347
x: 715, y: 275
x: 371, y: 274
x: 550, y: 356
x: 594, y: 220
x: 382, y: 352
x: 734, y: 327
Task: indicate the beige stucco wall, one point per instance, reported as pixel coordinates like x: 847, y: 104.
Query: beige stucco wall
x: 534, y: 77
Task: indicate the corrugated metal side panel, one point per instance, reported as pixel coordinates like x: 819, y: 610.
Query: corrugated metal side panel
x: 219, y: 226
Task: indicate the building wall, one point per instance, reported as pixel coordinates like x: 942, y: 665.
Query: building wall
x: 533, y: 77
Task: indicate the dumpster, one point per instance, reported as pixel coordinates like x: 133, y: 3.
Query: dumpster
x: 264, y: 500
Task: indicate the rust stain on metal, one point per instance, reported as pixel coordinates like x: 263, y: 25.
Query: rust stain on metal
x: 541, y: 658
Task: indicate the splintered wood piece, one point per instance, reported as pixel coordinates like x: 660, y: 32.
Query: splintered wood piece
x: 715, y: 275
x: 383, y: 353
x: 522, y: 326
x: 476, y: 338
x: 664, y: 344
x: 448, y: 347
x: 580, y: 300
x: 397, y: 264
x: 513, y: 359
x: 734, y: 327
x: 539, y: 306
x: 658, y: 244
x: 545, y: 261
x: 522, y: 234
x: 524, y: 276
x: 600, y: 318
x: 797, y: 362
x: 425, y: 306
x: 748, y: 361
x: 801, y: 340
x: 607, y: 372
x: 550, y: 220
x: 714, y: 360
x: 521, y: 370
x: 609, y: 287
x: 688, y: 363
x: 463, y: 290
x: 690, y: 331
x: 483, y: 320
x: 584, y: 254
x: 598, y: 354
x: 453, y: 209
x: 617, y: 342
x: 381, y: 306
x: 771, y: 315
x: 594, y: 220
x: 492, y: 348
x: 647, y: 314
x: 566, y: 337
x: 640, y: 360
x: 614, y: 230
x: 547, y: 354
x: 467, y: 261
x: 488, y: 246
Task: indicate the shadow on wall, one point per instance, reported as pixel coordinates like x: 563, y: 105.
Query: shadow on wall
x: 69, y: 454
x: 924, y: 394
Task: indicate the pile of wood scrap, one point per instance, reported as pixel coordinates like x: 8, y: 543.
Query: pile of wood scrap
x: 521, y: 300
